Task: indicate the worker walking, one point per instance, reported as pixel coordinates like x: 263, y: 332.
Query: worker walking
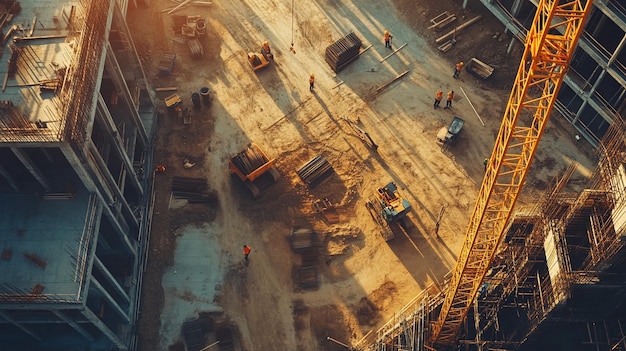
x: 449, y: 100
x: 438, y: 97
x: 311, y: 82
x: 388, y: 38
x: 457, y: 69
x: 246, y: 252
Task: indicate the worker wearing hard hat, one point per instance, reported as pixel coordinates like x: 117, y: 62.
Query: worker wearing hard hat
x: 312, y: 82
x: 388, y: 38
x: 457, y: 69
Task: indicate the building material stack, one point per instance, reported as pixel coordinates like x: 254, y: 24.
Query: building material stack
x: 342, y: 52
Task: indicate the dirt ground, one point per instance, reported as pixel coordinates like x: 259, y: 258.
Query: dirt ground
x: 362, y: 279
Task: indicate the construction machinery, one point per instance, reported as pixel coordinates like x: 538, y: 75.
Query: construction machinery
x: 254, y: 169
x: 262, y: 59
x: 549, y: 47
x: 389, y: 208
x: 449, y: 135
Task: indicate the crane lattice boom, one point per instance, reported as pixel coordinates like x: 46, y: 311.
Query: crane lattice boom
x: 549, y: 45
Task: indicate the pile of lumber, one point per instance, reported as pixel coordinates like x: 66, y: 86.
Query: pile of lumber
x: 342, y: 52
x: 301, y: 238
x: 193, y: 190
x: 315, y: 171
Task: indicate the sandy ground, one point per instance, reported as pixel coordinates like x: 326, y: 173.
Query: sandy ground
x: 196, y: 267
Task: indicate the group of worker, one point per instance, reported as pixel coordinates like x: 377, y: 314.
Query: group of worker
x: 439, y: 96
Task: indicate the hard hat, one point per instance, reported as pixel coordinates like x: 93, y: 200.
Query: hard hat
x: 312, y: 75
x: 386, y: 32
x: 266, y: 43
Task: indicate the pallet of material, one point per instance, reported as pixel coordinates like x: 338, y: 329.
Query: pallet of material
x: 166, y: 63
x: 307, y: 277
x: 342, y: 52
x: 301, y: 238
x: 315, y: 171
x: 479, y: 68
x: 442, y: 20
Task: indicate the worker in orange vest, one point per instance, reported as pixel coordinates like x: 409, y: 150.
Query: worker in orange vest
x: 457, y: 69
x: 160, y: 169
x: 438, y: 98
x: 246, y: 251
x: 312, y: 82
x: 449, y: 100
x: 388, y: 38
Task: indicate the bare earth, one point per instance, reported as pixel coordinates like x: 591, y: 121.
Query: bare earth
x: 196, y: 268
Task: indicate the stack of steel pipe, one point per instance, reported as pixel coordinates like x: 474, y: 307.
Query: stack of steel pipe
x: 342, y: 52
x: 315, y: 171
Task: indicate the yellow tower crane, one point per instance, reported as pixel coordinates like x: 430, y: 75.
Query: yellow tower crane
x: 549, y: 46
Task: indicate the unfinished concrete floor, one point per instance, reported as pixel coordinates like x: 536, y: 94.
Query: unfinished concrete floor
x: 196, y: 264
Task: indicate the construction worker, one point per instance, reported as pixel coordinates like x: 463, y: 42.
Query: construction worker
x: 449, y: 100
x: 246, y: 251
x: 267, y: 51
x: 388, y: 38
x: 457, y: 69
x: 486, y: 162
x: 160, y: 169
x: 312, y: 82
x: 438, y: 98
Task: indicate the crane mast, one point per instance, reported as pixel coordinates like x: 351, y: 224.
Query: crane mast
x: 549, y: 46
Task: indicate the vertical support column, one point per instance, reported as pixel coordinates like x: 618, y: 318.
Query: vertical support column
x: 15, y: 323
x: 32, y: 168
x: 73, y: 324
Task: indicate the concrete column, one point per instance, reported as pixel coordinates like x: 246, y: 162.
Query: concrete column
x: 516, y: 7
x: 73, y: 324
x: 15, y: 323
x: 104, y: 329
x: 120, y: 231
x: 32, y: 168
x: 95, y: 283
x: 111, y: 279
x: 8, y: 178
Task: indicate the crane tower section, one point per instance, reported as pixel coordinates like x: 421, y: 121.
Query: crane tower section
x: 549, y: 46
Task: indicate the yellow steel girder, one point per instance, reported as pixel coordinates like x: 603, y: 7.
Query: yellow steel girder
x: 549, y: 46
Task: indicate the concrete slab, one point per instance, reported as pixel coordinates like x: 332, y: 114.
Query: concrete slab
x: 190, y: 284
x: 42, y: 228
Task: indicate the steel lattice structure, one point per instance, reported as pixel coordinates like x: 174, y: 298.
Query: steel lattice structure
x: 549, y: 46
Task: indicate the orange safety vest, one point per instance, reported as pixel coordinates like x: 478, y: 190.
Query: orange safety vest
x: 459, y: 66
x: 450, y: 95
x: 311, y: 80
x: 387, y: 35
x: 439, y: 94
x: 246, y: 250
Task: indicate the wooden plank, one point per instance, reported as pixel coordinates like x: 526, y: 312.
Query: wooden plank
x: 456, y: 30
x: 165, y: 89
x: 393, y: 53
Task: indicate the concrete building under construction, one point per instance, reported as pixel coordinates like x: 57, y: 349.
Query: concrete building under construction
x: 76, y: 121
x: 558, y: 280
x: 595, y: 86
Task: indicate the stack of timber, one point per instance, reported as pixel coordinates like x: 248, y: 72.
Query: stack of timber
x: 301, y: 238
x: 193, y: 190
x: 342, y: 52
x: 195, y: 47
x: 315, y: 171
